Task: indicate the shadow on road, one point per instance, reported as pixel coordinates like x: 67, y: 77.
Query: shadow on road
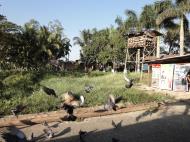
x: 175, y: 128
x: 169, y: 129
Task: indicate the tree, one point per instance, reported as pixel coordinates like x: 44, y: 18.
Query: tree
x: 32, y: 45
x: 8, y: 35
x: 177, y: 10
x: 147, y: 17
x: 84, y: 41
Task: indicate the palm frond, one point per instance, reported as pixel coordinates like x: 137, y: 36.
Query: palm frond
x: 171, y: 13
x: 119, y: 21
x: 186, y: 23
x: 130, y: 13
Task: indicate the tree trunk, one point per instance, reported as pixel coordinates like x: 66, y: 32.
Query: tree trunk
x: 170, y: 48
x: 158, y: 44
x: 138, y: 60
x: 126, y: 59
x: 181, y: 36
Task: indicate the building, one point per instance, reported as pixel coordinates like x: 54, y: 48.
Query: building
x: 141, y: 45
x: 169, y: 72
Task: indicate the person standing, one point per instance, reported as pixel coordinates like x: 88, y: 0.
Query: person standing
x: 188, y: 80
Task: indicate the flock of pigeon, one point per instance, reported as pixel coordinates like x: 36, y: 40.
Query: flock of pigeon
x: 70, y: 103
x: 13, y: 134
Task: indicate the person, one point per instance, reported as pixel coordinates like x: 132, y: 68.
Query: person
x: 188, y: 80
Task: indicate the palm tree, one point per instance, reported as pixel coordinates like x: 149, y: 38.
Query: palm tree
x: 177, y: 10
x: 147, y: 17
x: 131, y: 24
x: 159, y: 7
x: 84, y: 41
x: 132, y: 21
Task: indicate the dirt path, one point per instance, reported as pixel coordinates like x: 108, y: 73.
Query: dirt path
x: 171, y: 124
x: 176, y: 95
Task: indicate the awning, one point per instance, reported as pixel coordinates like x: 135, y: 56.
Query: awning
x: 170, y: 60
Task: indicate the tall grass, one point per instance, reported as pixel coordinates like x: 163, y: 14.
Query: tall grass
x: 24, y: 88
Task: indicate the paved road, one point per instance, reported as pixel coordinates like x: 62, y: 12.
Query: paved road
x: 171, y: 124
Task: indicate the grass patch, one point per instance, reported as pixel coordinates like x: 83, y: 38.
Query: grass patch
x: 24, y: 88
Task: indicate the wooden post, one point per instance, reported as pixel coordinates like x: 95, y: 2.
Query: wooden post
x: 142, y: 64
x: 138, y: 60
x: 126, y: 58
x: 149, y: 75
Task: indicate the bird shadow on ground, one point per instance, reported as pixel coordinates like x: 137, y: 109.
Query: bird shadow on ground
x: 67, y: 130
x: 168, y: 129
x: 172, y: 128
x: 100, y: 110
x: 55, y: 125
x: 42, y: 137
x: 28, y: 122
x: 166, y: 106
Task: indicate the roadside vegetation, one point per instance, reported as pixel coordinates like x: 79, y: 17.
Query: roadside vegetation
x: 24, y: 88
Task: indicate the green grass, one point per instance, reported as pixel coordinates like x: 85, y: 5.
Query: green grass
x: 24, y: 88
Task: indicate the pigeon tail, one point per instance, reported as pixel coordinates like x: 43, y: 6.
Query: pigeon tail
x: 112, y: 99
x: 126, y: 79
x: 118, y: 99
x: 82, y: 100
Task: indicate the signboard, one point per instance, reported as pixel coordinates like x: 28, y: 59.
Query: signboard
x: 155, y: 75
x: 180, y: 72
x: 166, y: 76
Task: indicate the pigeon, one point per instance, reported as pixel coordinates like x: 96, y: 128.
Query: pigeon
x: 48, y: 131
x: 69, y: 109
x: 32, y: 137
x: 7, y: 137
x: 18, y: 109
x: 73, y: 100
x: 88, y: 88
x: 111, y: 103
x: 82, y: 134
x: 129, y: 82
x: 115, y: 140
x: 49, y: 91
x: 13, y: 134
x: 117, y: 125
x: 45, y: 124
x: 69, y: 117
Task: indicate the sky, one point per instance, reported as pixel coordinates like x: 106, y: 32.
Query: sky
x: 75, y: 15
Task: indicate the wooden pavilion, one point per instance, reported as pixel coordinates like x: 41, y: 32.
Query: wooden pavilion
x: 141, y: 45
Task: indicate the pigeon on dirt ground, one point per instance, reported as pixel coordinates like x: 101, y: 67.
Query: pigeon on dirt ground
x: 111, y: 103
x: 18, y: 109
